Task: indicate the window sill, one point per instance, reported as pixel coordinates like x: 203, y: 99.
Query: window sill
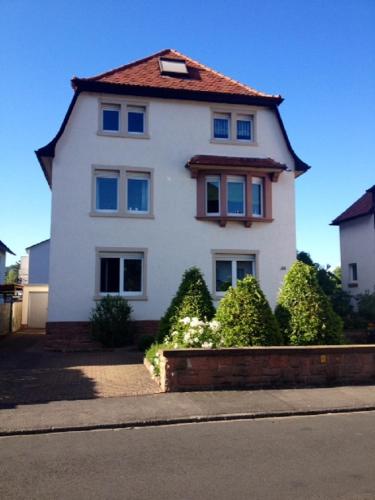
x: 353, y: 284
x: 222, y: 220
x: 122, y: 215
x: 122, y: 135
x: 127, y: 297
x: 230, y: 142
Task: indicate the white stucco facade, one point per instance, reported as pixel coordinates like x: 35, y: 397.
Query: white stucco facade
x: 174, y: 238
x: 357, y: 242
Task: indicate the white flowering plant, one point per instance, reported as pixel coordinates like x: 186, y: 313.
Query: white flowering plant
x: 193, y: 332
x: 189, y: 333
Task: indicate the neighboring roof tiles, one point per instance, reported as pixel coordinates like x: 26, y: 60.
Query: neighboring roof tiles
x: 200, y: 82
x: 4, y: 248
x: 365, y: 205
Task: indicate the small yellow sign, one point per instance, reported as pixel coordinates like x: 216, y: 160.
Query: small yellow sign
x: 323, y: 359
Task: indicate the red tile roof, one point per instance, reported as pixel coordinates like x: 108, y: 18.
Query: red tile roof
x: 146, y: 73
x: 365, y: 205
x: 236, y: 161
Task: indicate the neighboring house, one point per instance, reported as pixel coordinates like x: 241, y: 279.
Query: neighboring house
x: 160, y: 165
x: 357, y: 243
x: 23, y: 274
x: 3, y: 251
x: 35, y: 269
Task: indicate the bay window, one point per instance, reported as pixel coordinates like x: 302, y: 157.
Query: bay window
x: 213, y: 195
x: 236, y: 195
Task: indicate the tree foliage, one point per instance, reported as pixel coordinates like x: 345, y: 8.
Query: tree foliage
x: 304, y: 312
x: 245, y: 316
x: 192, y: 299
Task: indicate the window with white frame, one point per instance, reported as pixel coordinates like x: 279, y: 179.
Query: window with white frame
x: 138, y: 192
x: 244, y: 127
x: 212, y: 187
x: 110, y: 116
x: 136, y: 119
x: 121, y: 273
x: 123, y: 192
x: 258, y: 195
x: 106, y: 190
x: 236, y: 195
x: 233, y: 127
x: 222, y: 126
x: 353, y: 272
x: 229, y: 269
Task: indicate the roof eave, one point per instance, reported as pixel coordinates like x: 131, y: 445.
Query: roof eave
x: 81, y: 85
x: 337, y: 221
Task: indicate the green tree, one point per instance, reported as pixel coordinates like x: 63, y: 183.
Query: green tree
x: 12, y: 273
x: 304, y: 312
x: 245, y: 316
x: 192, y: 299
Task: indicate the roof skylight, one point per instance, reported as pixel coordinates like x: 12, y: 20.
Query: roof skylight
x: 173, y: 66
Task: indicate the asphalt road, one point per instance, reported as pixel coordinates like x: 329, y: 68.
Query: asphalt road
x: 325, y: 457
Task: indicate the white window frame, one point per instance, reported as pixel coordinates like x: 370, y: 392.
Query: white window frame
x: 247, y: 118
x: 110, y: 107
x: 138, y: 176
x: 237, y: 179
x: 259, y: 181
x: 106, y: 174
x: 129, y: 107
x: 222, y: 115
x: 233, y: 256
x: 123, y: 254
x: 212, y: 178
x: 234, y: 113
x: 122, y: 104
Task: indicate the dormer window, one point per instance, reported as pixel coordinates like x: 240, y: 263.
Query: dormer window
x: 136, y: 119
x: 173, y: 66
x: 222, y: 125
x: 244, y: 125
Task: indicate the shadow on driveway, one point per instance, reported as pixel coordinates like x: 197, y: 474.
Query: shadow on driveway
x: 29, y: 374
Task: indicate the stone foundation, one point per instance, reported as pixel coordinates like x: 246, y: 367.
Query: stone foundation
x: 266, y: 367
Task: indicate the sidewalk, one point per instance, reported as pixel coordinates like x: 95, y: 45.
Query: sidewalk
x: 160, y: 409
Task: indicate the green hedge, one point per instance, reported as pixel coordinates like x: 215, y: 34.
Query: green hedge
x: 246, y: 318
x: 304, y: 312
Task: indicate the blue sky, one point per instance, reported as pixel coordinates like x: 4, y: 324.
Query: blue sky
x: 318, y: 54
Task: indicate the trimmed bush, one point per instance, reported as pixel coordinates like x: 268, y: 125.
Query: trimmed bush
x: 192, y: 299
x: 110, y: 322
x: 304, y: 312
x: 246, y: 318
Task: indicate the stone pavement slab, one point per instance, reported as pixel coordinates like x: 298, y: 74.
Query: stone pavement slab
x: 171, y: 408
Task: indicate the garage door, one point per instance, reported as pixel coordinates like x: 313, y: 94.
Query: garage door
x: 38, y: 303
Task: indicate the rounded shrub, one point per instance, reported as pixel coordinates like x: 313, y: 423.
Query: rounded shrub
x: 192, y: 299
x: 110, y: 322
x: 246, y: 318
x: 304, y: 312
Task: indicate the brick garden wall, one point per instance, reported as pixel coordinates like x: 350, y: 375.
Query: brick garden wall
x: 266, y: 367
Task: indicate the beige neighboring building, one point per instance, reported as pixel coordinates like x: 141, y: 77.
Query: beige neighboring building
x: 357, y: 244
x: 160, y: 165
x: 3, y: 251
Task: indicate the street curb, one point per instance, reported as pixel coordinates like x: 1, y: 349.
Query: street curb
x: 186, y: 420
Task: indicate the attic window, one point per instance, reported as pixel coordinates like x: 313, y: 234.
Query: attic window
x: 173, y: 66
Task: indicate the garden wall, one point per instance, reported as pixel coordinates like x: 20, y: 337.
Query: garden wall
x: 266, y: 367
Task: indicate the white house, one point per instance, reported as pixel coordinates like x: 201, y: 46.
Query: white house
x: 357, y: 244
x: 3, y: 251
x: 160, y: 165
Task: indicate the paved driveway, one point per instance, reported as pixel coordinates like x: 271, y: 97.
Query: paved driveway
x: 29, y: 374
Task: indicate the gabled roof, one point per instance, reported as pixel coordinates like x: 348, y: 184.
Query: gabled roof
x: 146, y: 74
x: 145, y: 78
x: 5, y: 249
x: 37, y: 244
x: 365, y: 205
